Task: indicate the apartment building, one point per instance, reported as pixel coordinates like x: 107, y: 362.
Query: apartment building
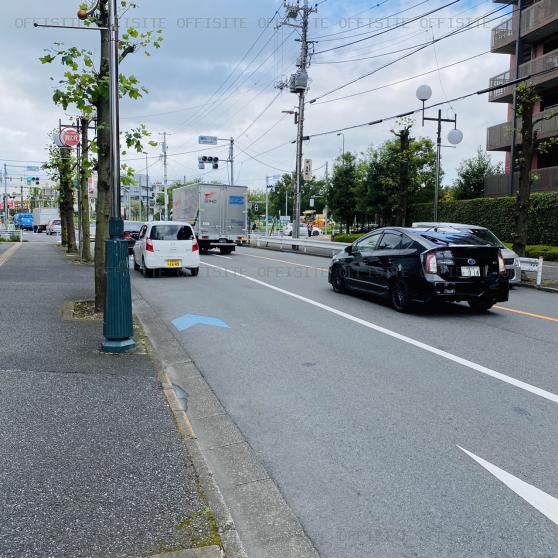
x: 534, y: 23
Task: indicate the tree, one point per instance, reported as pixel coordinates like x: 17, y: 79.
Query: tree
x: 380, y: 192
x: 471, y: 173
x: 341, y: 195
x: 85, y: 87
x: 526, y: 99
x: 60, y: 167
x: 404, y: 163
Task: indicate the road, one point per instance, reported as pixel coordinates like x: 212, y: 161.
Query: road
x: 374, y: 424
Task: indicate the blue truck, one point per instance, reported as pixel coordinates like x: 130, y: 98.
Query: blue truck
x: 23, y: 221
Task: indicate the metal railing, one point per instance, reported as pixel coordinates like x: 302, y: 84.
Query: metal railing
x: 12, y: 233
x: 545, y: 180
x: 499, y: 136
x: 541, y: 13
x: 288, y: 242
x: 502, y: 34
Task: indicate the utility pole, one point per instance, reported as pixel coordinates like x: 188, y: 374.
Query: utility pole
x: 298, y: 84
x: 6, y: 214
x: 147, y: 195
x: 165, y: 180
x: 518, y: 55
x: 231, y: 160
x: 326, y: 176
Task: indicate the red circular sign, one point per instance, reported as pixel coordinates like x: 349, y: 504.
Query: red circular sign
x: 69, y: 137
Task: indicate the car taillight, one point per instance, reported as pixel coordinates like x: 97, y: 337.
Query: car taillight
x: 149, y: 246
x: 430, y: 263
x: 127, y: 235
x: 501, y: 263
x: 195, y: 245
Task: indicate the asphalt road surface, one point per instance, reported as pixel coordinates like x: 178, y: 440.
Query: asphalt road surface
x: 433, y: 434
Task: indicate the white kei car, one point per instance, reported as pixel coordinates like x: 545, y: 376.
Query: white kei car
x: 166, y: 245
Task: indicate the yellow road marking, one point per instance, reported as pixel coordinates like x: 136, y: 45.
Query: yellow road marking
x: 8, y: 253
x: 530, y: 314
x: 286, y: 261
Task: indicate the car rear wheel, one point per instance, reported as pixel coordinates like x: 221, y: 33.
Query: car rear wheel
x: 481, y: 304
x: 338, y: 280
x: 194, y: 271
x: 147, y: 273
x: 399, y: 293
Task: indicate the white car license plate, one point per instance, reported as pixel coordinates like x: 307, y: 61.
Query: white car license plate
x: 470, y: 271
x: 174, y: 263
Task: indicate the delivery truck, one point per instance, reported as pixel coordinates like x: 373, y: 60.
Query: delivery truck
x: 42, y: 216
x: 218, y: 214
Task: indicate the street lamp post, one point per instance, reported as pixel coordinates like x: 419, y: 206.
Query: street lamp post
x: 424, y: 92
x: 118, y: 327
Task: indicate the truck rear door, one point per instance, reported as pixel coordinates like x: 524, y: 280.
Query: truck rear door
x: 235, y: 212
x: 211, y: 217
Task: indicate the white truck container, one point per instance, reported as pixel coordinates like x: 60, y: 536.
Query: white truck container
x: 218, y: 214
x: 41, y: 217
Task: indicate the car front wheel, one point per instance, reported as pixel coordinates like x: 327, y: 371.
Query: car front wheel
x: 338, y: 280
x: 147, y: 273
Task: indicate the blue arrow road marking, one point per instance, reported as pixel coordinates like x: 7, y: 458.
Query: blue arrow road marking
x: 190, y: 320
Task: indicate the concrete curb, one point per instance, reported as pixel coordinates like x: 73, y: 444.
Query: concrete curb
x: 535, y: 288
x: 207, y: 552
x: 236, y: 483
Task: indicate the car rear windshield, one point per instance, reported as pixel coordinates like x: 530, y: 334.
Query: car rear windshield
x: 132, y: 226
x: 458, y: 237
x: 171, y: 232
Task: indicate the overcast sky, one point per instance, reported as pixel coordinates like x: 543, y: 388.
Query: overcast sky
x: 206, y: 41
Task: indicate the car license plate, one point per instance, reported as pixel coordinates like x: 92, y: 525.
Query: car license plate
x: 470, y: 271
x: 174, y: 263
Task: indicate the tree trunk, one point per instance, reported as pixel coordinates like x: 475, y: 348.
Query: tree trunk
x: 103, y: 186
x: 67, y: 205
x: 529, y: 138
x: 63, y: 227
x: 84, y: 189
x: 401, y: 213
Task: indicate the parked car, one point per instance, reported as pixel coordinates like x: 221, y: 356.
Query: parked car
x: 131, y: 233
x: 511, y: 259
x: 54, y: 226
x: 424, y: 265
x: 166, y: 245
x: 302, y: 231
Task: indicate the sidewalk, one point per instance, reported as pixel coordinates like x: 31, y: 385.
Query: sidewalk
x: 91, y: 464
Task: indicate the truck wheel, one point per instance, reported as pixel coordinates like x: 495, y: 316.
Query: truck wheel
x: 225, y: 251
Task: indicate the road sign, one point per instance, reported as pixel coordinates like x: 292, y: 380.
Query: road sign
x: 68, y: 137
x: 32, y: 169
x: 307, y: 175
x: 207, y: 140
x: 312, y: 203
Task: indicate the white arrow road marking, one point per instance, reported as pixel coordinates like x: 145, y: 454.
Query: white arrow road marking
x: 409, y: 340
x: 543, y: 502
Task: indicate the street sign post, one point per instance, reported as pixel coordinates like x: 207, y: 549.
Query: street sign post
x: 207, y: 140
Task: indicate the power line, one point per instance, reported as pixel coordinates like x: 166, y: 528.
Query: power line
x: 254, y: 158
x: 268, y: 106
x: 404, y: 79
x: 441, y: 38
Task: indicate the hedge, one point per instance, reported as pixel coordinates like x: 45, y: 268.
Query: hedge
x: 497, y: 214
x: 549, y: 253
x: 347, y: 238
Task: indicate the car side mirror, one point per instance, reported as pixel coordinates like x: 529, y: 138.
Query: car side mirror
x: 349, y: 250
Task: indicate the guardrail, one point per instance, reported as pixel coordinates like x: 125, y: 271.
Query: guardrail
x: 533, y: 265
x: 11, y: 233
x: 302, y: 243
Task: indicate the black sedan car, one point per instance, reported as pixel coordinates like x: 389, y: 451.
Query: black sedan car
x: 131, y: 233
x: 422, y: 265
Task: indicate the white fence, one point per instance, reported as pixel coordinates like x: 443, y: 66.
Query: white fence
x: 533, y: 265
x: 11, y: 233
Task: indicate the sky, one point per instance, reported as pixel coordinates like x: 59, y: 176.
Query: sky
x: 217, y: 70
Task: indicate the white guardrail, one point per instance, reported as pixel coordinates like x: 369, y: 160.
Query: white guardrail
x: 11, y: 232
x: 301, y: 243
x: 533, y: 265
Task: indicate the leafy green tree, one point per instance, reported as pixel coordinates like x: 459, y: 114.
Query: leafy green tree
x: 343, y: 190
x: 527, y: 97
x: 84, y: 86
x: 471, y: 173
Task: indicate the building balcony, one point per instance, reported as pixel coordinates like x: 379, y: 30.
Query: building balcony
x: 544, y: 180
x: 538, y: 21
x: 499, y: 137
x: 544, y: 70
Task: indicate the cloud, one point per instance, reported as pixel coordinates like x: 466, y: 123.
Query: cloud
x: 204, y: 44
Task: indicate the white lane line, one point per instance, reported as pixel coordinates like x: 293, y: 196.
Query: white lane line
x: 541, y: 501
x: 224, y: 257
x: 419, y: 344
x: 286, y: 262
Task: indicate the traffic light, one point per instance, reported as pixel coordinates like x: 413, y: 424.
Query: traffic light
x: 213, y: 161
